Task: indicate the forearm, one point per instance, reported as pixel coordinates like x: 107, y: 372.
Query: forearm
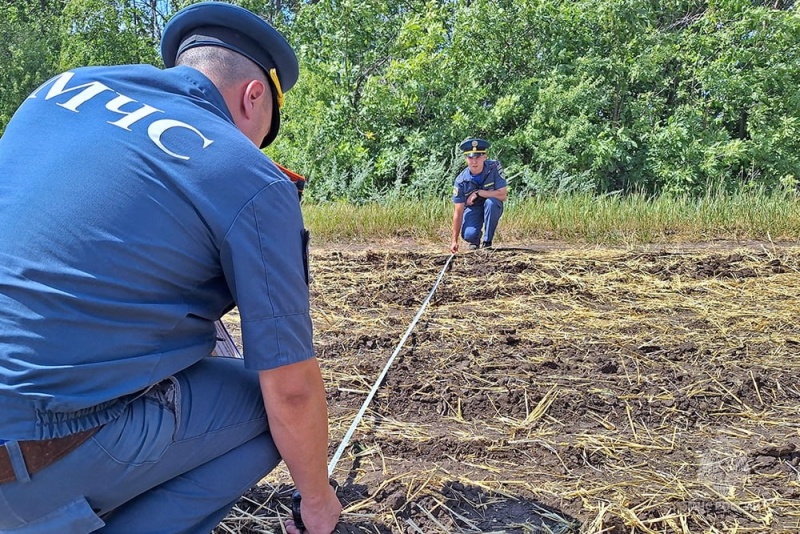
x: 294, y: 397
x: 457, y: 220
x: 499, y: 194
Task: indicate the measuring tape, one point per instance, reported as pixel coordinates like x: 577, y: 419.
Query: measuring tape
x: 296, y: 498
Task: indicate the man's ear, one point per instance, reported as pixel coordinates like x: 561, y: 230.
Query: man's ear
x: 253, y: 92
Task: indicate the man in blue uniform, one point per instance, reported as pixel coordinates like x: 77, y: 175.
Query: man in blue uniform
x: 478, y: 196
x: 136, y: 209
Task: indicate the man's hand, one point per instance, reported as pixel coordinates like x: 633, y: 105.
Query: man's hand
x: 320, y: 514
x: 473, y: 198
x: 454, y: 247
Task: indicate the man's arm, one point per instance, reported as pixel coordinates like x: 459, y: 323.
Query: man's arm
x: 500, y: 194
x: 294, y: 397
x: 458, y: 217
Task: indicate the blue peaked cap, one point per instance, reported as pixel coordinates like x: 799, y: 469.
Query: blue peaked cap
x: 474, y: 145
x: 235, y: 28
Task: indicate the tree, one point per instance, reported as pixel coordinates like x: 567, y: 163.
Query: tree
x: 103, y: 32
x: 630, y: 95
x: 30, y: 50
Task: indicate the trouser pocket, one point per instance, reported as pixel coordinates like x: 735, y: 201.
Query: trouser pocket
x: 144, y: 432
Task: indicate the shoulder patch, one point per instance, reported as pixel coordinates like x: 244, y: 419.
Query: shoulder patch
x: 501, y: 171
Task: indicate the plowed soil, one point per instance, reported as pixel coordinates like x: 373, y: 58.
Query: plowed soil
x: 547, y: 389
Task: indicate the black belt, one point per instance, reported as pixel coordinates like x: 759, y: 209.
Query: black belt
x: 40, y: 454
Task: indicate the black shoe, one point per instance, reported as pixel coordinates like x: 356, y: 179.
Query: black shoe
x: 487, y: 244
x: 473, y: 246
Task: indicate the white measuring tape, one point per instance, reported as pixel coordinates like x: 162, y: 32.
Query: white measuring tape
x: 346, y: 439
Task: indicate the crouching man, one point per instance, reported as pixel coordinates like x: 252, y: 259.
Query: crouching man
x: 478, y: 195
x: 136, y: 209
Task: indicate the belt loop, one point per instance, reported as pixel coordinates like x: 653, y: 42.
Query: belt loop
x: 17, y: 461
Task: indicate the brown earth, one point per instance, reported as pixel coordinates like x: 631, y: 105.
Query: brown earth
x: 549, y: 389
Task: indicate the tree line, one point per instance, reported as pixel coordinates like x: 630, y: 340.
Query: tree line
x: 646, y: 96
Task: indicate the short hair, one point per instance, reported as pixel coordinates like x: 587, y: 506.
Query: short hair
x: 224, y: 66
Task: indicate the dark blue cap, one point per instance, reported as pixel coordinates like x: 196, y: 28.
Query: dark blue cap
x: 473, y: 145
x: 235, y: 28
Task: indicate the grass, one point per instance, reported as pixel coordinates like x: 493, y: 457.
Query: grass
x: 610, y: 219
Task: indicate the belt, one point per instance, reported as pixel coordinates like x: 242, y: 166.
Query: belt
x: 40, y: 454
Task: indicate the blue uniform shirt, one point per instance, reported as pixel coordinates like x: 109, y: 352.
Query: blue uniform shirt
x: 492, y: 177
x: 133, y: 214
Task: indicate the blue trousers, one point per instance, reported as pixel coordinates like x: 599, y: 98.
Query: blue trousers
x: 476, y: 217
x: 176, y: 461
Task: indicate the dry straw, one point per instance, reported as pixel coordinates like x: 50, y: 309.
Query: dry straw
x: 636, y: 391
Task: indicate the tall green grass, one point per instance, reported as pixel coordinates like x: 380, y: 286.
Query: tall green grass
x: 579, y: 218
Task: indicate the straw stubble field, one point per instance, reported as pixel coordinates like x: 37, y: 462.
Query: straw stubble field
x: 549, y: 389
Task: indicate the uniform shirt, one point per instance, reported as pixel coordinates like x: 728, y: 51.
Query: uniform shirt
x: 133, y: 214
x: 492, y: 177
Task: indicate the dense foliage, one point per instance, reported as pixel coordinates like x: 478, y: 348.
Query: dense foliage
x: 674, y: 96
